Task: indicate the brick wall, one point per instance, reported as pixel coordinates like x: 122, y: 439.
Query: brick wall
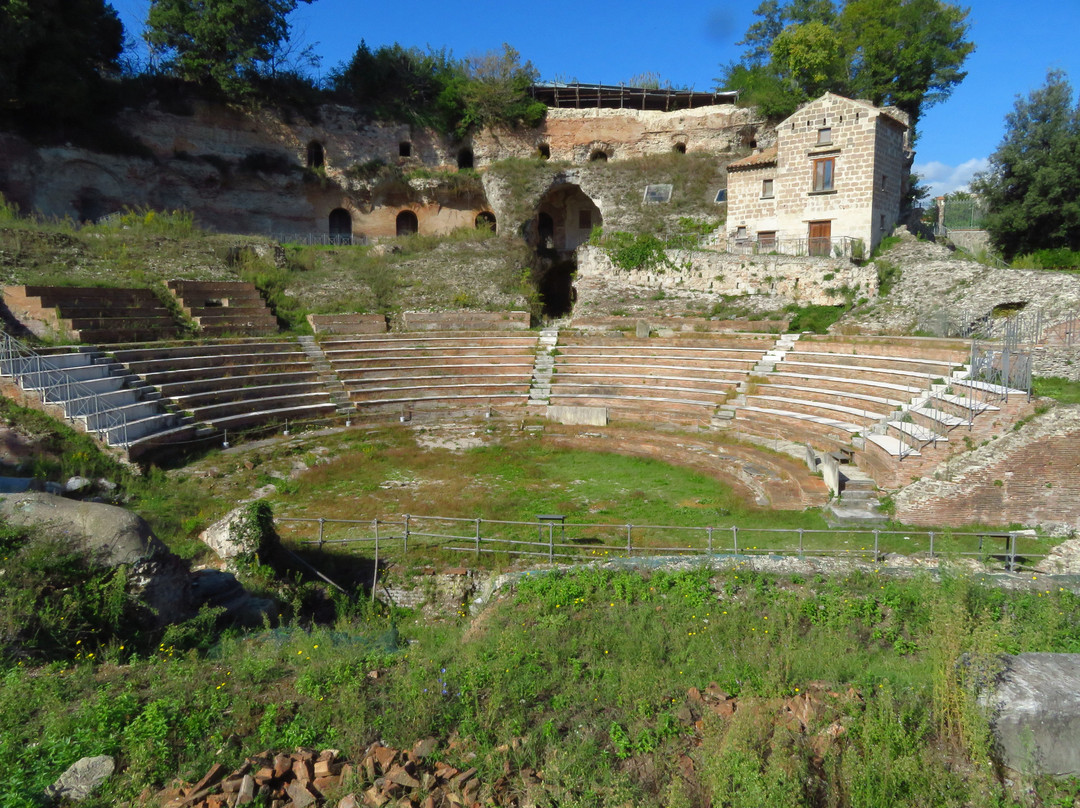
x: 1030, y: 476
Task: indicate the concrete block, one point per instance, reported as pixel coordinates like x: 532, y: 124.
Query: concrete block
x: 578, y: 416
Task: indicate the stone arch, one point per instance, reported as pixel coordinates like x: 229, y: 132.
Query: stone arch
x: 340, y: 226
x: 543, y: 151
x: 466, y: 158
x: 564, y: 220
x: 679, y: 147
x: 485, y: 219
x: 599, y: 156
x: 407, y: 223
x: 316, y: 156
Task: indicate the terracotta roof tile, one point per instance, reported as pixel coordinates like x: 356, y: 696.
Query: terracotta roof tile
x: 762, y: 158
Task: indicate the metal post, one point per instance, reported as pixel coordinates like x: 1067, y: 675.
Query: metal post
x: 405, y: 544
x: 551, y: 542
x: 875, y: 544
x: 322, y: 522
x: 735, y: 537
x: 478, y: 537
x: 629, y: 545
x: 931, y: 544
x: 800, y: 542
x: 1012, y: 552
x: 710, y: 541
x: 375, y: 571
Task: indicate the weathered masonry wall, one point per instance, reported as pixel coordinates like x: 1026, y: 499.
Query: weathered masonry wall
x: 575, y: 135
x: 258, y: 172
x: 1030, y: 476
x: 806, y: 280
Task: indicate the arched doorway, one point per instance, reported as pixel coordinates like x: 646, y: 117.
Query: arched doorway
x: 485, y: 219
x: 465, y: 158
x: 564, y: 221
x: 340, y: 226
x: 545, y: 231
x: 598, y: 156
x: 407, y: 223
x: 316, y: 158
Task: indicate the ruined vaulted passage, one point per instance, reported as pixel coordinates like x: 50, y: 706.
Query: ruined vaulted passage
x: 543, y: 151
x: 485, y: 219
x: 407, y: 223
x: 341, y: 225
x: 598, y: 156
x: 679, y: 148
x: 564, y: 221
x: 316, y: 158
x: 465, y: 158
x: 404, y: 149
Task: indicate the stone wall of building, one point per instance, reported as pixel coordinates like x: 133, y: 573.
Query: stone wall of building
x: 868, y: 153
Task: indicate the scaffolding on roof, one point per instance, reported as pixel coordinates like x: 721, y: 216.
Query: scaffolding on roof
x: 619, y: 96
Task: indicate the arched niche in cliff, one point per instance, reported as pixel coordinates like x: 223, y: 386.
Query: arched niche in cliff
x: 543, y: 151
x: 407, y: 223
x: 679, y: 148
x: 598, y: 156
x: 465, y: 158
x: 565, y: 218
x: 341, y: 225
x: 485, y: 219
x: 316, y: 157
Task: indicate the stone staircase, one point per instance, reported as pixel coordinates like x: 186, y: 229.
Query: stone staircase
x: 343, y: 405
x: 540, y: 390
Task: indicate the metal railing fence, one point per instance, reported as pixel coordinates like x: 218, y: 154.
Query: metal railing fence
x: 319, y: 239
x: 551, y: 540
x: 32, y: 371
x: 838, y: 247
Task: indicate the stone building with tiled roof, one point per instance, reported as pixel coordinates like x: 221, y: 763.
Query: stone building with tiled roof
x: 832, y: 185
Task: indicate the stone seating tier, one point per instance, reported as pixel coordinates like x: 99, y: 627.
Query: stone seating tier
x: 826, y: 409
x: 215, y: 384
x: 190, y: 401
x: 210, y: 413
x: 90, y: 314
x: 927, y: 367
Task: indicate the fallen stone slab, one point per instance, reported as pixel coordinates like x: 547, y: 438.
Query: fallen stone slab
x: 82, y: 778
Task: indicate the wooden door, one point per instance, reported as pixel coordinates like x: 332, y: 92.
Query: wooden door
x: 820, y: 238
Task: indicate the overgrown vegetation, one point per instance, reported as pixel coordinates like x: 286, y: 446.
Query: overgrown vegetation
x: 582, y: 676
x: 1057, y: 387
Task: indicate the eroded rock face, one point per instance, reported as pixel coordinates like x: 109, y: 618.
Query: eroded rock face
x: 112, y: 536
x: 1035, y: 713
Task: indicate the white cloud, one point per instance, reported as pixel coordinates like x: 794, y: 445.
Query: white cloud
x: 942, y: 179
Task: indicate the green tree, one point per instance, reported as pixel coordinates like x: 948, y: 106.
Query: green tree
x: 908, y: 53
x: 223, y: 44
x: 497, y: 92
x: 54, y: 56
x: 1032, y: 187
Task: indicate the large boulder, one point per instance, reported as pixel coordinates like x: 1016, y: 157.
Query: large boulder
x: 1035, y: 714
x: 111, y: 536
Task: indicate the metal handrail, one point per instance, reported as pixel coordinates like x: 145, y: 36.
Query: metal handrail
x: 20, y: 362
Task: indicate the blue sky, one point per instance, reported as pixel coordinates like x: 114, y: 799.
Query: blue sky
x: 686, y: 43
